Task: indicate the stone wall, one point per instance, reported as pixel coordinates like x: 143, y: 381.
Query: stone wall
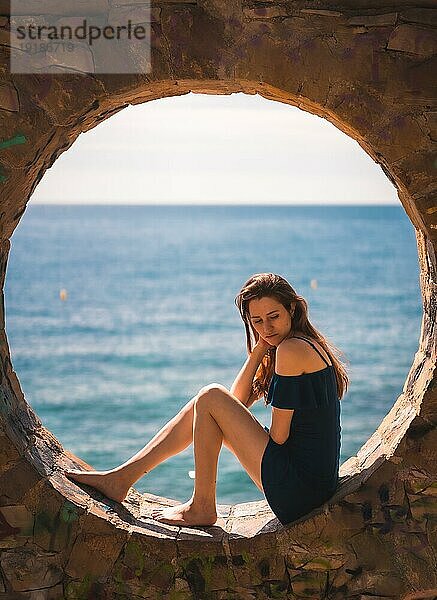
x: 369, y: 68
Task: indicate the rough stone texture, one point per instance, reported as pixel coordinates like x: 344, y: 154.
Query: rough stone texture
x: 8, y: 98
x: 367, y: 67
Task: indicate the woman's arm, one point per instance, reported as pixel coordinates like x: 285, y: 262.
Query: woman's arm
x: 242, y: 386
x: 289, y: 361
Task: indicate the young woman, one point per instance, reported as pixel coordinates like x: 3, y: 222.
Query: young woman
x: 294, y: 462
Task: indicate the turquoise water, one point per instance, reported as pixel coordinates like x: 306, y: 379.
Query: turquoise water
x: 150, y: 317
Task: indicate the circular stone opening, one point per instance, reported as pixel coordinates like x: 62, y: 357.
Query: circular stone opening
x: 109, y: 322
x: 387, y: 489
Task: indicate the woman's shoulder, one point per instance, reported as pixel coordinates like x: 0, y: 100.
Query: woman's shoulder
x: 295, y: 356
x: 293, y: 345
x: 308, y: 356
x: 294, y: 340
x: 289, y: 357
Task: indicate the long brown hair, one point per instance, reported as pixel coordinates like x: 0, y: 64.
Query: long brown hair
x: 261, y: 285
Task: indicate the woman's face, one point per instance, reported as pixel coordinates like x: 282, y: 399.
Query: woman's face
x: 270, y: 319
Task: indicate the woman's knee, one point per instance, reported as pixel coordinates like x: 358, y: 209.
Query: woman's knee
x: 210, y: 390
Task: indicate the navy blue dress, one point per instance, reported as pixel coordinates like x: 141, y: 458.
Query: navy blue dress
x: 302, y: 473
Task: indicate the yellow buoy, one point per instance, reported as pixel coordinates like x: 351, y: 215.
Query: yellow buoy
x: 63, y: 294
x: 314, y: 284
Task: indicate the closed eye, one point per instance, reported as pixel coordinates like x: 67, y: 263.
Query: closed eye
x: 274, y: 317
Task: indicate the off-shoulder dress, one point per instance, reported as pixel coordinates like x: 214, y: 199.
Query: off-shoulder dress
x: 302, y: 473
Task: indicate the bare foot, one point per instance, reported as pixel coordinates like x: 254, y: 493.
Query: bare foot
x: 107, y: 482
x: 186, y: 515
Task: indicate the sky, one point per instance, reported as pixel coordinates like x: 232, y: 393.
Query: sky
x: 204, y: 149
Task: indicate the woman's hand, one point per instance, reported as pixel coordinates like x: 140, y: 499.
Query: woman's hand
x: 262, y: 346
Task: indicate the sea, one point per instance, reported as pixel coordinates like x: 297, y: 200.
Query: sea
x: 117, y: 315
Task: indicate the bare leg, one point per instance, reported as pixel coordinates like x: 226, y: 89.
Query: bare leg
x: 201, y: 508
x: 174, y: 437
x: 207, y: 441
x: 218, y: 415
